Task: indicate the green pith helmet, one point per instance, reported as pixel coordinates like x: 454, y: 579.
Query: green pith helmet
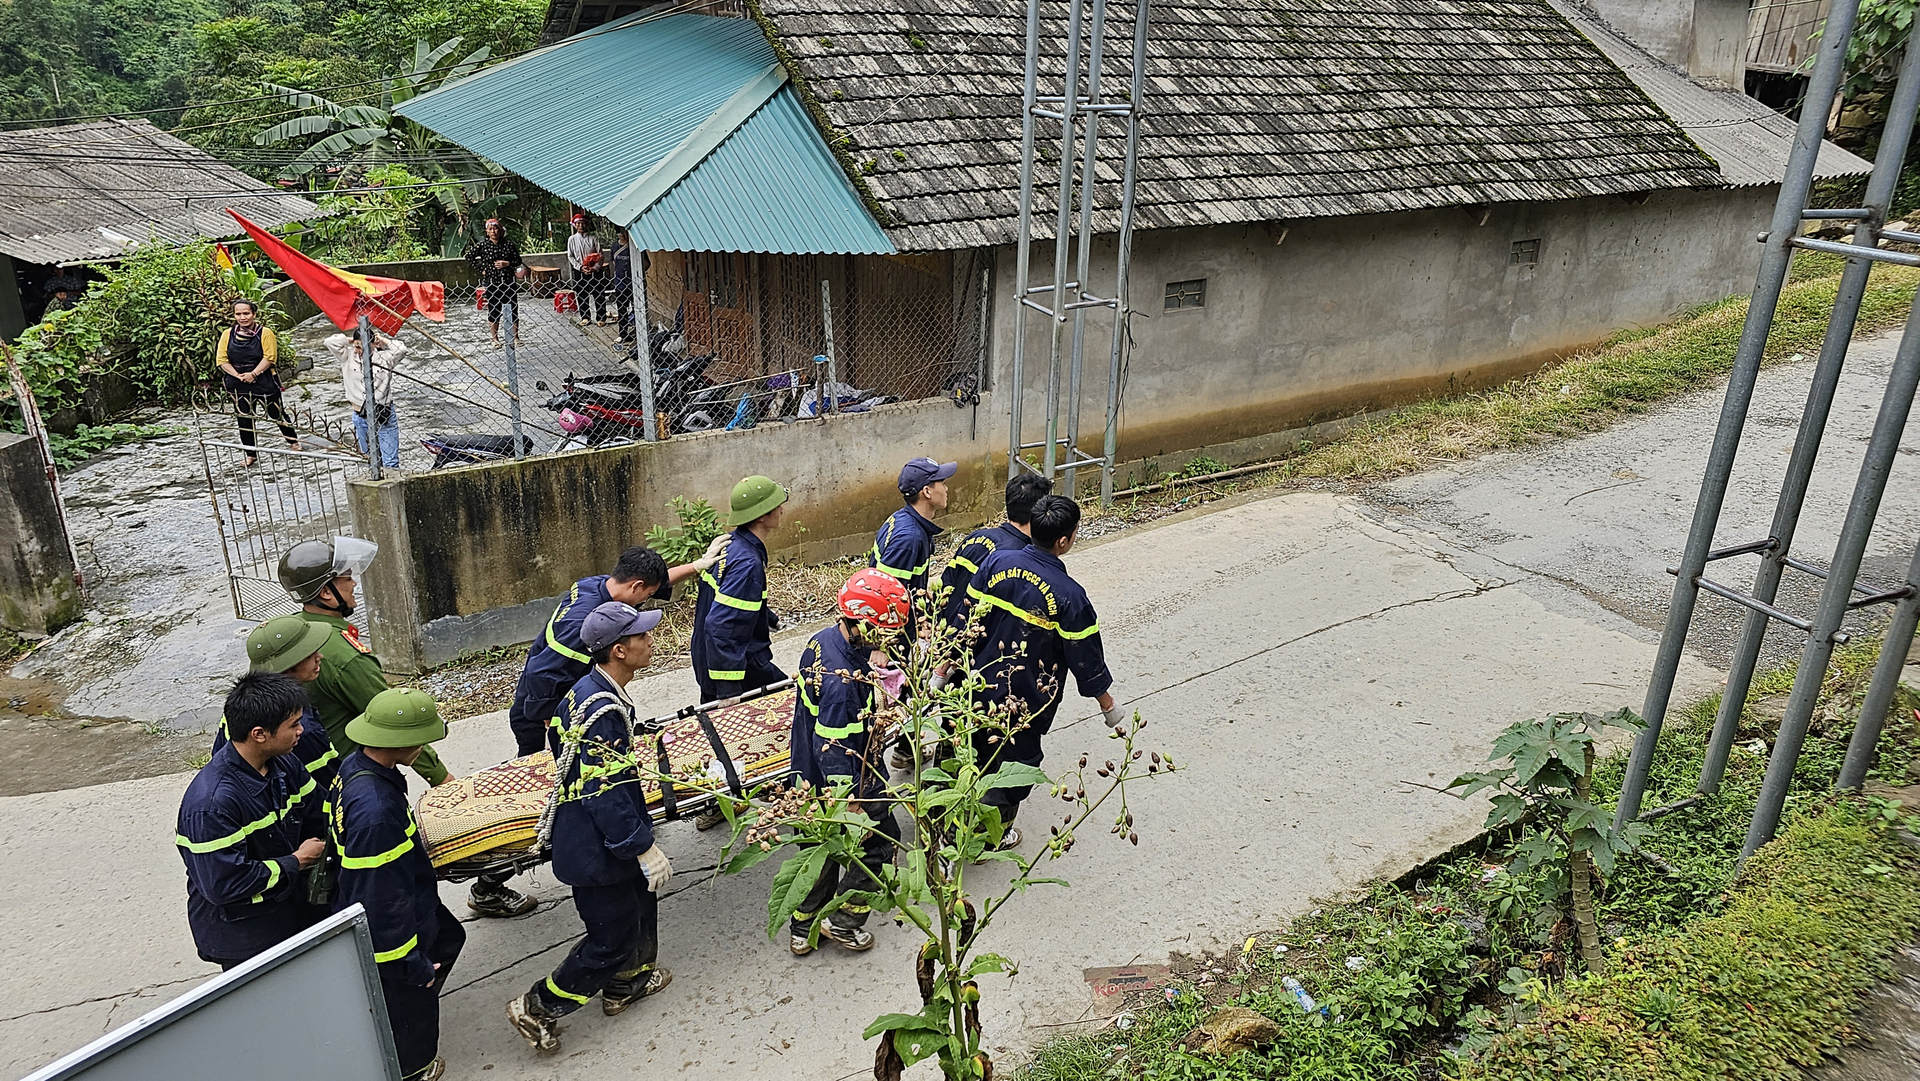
x: 284, y: 641
x: 754, y: 498
x: 399, y: 717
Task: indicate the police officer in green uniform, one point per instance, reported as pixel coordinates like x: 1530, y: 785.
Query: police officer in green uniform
x: 321, y: 575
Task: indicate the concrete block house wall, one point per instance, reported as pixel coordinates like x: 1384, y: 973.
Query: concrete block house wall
x: 1384, y: 199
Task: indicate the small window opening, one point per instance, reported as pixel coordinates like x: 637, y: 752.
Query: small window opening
x: 1524, y: 253
x: 1187, y: 294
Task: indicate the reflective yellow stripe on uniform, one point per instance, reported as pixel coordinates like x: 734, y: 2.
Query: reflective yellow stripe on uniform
x: 896, y: 572
x: 1038, y: 621
x: 361, y: 863
x: 246, y: 831
x: 568, y: 995
x: 726, y: 677
x: 397, y: 952
x: 323, y: 760
x: 959, y: 560
x: 805, y: 698
x: 730, y: 602
x: 553, y: 641
x: 273, y: 875
x: 824, y: 732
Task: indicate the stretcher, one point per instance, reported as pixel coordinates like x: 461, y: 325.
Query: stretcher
x: 488, y: 823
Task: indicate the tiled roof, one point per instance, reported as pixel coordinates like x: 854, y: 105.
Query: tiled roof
x: 1254, y: 111
x: 94, y: 191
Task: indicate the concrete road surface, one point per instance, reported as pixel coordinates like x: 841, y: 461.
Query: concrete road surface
x: 1305, y: 655
x: 1302, y: 660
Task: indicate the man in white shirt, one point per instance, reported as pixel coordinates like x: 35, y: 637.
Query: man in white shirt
x: 386, y: 353
x: 589, y: 272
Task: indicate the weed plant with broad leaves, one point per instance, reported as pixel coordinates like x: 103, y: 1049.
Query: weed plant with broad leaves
x: 1546, y: 788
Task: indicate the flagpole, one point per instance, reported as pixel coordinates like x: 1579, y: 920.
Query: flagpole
x: 367, y: 403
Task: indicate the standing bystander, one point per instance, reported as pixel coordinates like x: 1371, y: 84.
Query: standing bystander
x: 386, y: 353
x: 245, y: 357
x: 497, y: 261
x: 589, y: 271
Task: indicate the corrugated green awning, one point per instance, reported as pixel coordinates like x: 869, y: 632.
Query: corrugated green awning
x: 683, y: 128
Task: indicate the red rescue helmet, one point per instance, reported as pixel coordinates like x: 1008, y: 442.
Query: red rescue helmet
x: 874, y: 598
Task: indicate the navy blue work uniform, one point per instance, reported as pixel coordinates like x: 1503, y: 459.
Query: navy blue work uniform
x: 384, y: 867
x: 236, y: 833
x: 833, y: 719
x: 732, y: 624
x: 1037, y: 626
x: 315, y: 750
x: 973, y: 551
x: 556, y: 662
x: 597, y: 842
x: 903, y: 547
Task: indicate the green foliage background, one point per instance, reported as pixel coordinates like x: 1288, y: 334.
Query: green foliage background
x: 199, y: 55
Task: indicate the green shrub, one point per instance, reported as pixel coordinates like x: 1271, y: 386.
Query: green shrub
x: 155, y: 320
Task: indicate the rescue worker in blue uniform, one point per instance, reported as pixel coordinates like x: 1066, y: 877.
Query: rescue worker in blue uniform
x: 250, y: 826
x: 903, y: 546
x: 291, y: 645
x: 1037, y: 625
x: 558, y: 660
x: 384, y: 868
x: 732, y: 623
x: 834, y: 724
x: 602, y: 839
x: 1023, y: 492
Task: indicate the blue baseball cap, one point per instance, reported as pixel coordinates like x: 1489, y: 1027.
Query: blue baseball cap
x: 613, y: 621
x: 921, y: 472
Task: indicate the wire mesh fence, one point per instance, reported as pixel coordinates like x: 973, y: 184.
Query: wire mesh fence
x: 735, y: 341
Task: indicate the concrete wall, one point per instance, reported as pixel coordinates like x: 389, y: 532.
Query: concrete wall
x: 1705, y: 38
x: 1306, y: 324
x: 37, y: 592
x: 474, y: 557
x: 1348, y: 315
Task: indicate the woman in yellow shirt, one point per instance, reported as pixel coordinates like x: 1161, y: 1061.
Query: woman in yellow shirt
x: 246, y: 354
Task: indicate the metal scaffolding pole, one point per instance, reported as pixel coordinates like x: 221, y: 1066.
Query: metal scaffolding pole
x: 1774, y: 262
x: 1023, y: 255
x: 1836, y: 599
x: 1080, y: 110
x: 1813, y: 421
x: 1122, y: 304
x: 1865, y: 741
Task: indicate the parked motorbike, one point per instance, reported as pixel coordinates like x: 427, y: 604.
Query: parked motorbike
x: 451, y: 450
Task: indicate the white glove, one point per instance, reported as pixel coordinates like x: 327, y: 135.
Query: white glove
x: 657, y: 867
x: 714, y: 549
x: 1116, y: 717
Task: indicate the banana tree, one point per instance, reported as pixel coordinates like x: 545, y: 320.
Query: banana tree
x: 362, y: 136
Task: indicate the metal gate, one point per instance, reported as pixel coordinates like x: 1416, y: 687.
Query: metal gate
x: 263, y: 509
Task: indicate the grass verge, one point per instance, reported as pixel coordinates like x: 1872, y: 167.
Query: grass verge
x: 1469, y: 970
x: 1632, y: 372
